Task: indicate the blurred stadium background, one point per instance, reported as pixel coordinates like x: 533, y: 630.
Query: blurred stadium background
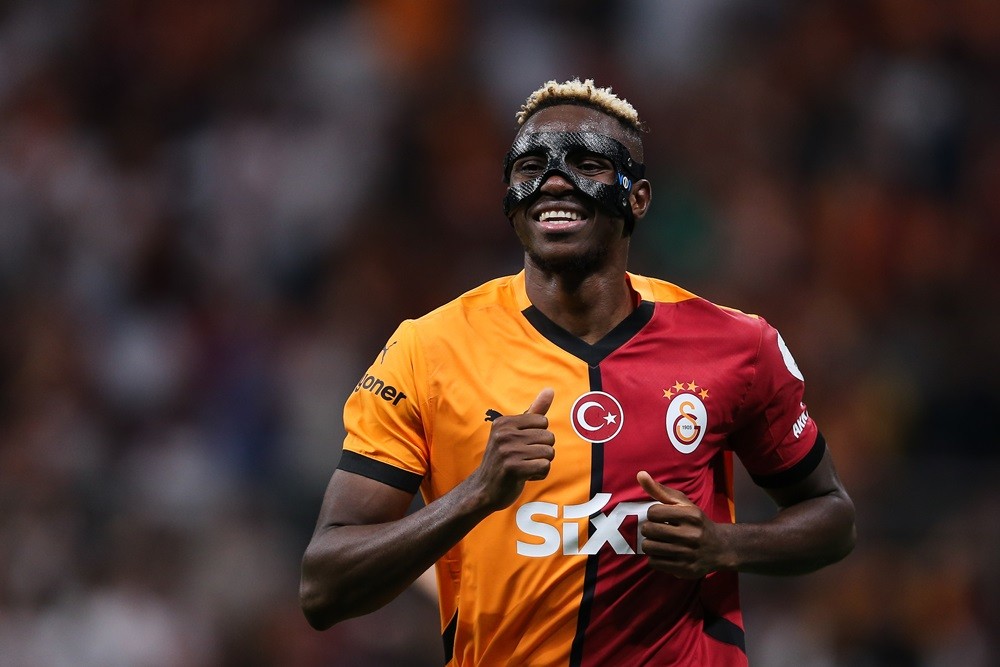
x: 213, y: 212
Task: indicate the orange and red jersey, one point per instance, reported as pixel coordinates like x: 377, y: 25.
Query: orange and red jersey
x: 559, y: 578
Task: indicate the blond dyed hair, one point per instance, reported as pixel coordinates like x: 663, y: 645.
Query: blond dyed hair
x: 583, y: 92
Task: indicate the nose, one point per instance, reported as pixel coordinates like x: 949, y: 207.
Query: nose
x: 556, y: 182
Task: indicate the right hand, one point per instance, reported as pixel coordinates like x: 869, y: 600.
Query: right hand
x: 520, y: 449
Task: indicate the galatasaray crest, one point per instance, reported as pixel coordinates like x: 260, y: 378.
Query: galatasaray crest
x: 687, y: 418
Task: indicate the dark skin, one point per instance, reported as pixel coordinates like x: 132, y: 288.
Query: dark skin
x: 366, y: 549
x: 588, y: 303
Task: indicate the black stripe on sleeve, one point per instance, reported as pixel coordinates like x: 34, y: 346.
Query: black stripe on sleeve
x: 725, y: 631
x: 404, y: 480
x: 797, y: 472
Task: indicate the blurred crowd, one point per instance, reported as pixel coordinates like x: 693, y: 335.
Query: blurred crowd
x: 214, y: 212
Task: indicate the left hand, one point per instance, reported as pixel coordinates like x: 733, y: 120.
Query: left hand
x: 679, y: 538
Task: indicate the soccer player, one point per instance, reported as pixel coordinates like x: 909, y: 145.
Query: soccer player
x: 571, y: 429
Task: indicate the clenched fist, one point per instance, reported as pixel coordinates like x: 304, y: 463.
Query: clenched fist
x: 520, y: 449
x: 679, y: 538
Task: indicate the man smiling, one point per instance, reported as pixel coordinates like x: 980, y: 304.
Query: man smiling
x: 590, y: 521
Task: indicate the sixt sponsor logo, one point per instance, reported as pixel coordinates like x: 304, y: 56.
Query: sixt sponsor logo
x: 378, y: 387
x: 564, y: 536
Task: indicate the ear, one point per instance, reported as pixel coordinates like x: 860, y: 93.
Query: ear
x: 642, y: 195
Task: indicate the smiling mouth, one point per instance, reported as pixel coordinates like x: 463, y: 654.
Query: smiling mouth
x: 559, y: 216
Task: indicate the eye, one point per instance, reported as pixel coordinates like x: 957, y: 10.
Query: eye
x: 530, y: 165
x: 588, y: 163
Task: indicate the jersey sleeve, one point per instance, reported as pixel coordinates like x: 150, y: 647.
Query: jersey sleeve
x: 776, y: 439
x: 385, y: 435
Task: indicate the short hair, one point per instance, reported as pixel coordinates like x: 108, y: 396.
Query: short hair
x: 584, y: 93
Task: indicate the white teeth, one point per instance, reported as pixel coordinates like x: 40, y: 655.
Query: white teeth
x: 558, y: 215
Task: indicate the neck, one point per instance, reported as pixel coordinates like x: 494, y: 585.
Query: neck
x: 588, y: 306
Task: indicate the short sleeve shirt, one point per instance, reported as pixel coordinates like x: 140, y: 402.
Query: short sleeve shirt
x: 558, y: 578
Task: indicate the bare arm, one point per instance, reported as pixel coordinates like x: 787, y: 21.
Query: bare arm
x: 814, y: 527
x: 365, y: 550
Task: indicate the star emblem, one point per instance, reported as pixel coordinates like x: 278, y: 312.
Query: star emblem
x: 691, y: 387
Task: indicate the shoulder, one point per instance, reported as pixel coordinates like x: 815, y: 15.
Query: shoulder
x: 693, y: 310
x: 469, y: 328
x: 482, y: 301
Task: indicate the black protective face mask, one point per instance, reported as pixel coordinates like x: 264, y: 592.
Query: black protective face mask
x: 555, y: 148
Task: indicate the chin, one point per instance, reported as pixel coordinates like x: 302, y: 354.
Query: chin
x: 569, y: 263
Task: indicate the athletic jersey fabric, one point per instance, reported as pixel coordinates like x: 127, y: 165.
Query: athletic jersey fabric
x: 558, y: 578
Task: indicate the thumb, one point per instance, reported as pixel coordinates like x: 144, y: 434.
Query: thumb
x: 542, y: 402
x: 657, y: 491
